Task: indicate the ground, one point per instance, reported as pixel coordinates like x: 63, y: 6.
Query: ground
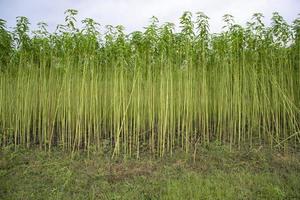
x: 215, y: 173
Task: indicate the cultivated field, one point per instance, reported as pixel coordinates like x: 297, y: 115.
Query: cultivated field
x: 151, y: 94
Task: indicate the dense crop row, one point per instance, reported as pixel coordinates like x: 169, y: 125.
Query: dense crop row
x: 155, y: 91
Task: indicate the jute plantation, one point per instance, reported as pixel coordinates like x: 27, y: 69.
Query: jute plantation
x: 153, y: 91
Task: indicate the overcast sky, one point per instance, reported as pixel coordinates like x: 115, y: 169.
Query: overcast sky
x: 135, y: 14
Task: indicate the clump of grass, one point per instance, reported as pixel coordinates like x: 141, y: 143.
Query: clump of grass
x: 153, y: 91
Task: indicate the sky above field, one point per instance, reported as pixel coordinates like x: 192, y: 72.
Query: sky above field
x: 135, y: 14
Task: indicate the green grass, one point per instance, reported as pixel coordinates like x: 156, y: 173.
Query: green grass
x: 216, y: 173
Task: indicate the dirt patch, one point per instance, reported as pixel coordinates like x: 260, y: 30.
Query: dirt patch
x: 121, y: 171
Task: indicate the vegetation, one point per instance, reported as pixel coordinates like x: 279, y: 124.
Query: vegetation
x: 154, y: 91
x: 216, y: 173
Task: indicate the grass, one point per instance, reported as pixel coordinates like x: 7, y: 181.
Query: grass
x: 216, y: 173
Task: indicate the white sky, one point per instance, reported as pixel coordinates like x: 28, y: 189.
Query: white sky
x: 135, y: 14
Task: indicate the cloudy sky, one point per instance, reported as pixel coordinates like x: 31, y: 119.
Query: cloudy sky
x: 135, y: 14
